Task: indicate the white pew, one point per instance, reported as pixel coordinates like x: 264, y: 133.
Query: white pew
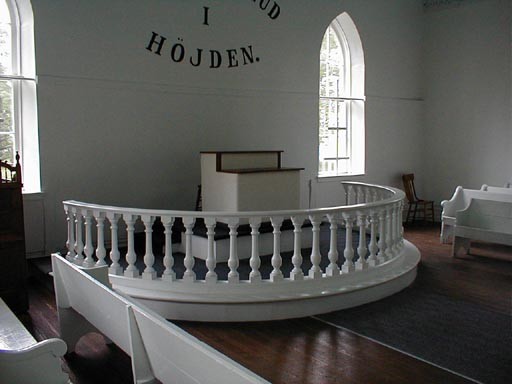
x: 158, y: 348
x: 489, y: 188
x: 484, y: 220
x: 23, y: 360
x: 459, y: 201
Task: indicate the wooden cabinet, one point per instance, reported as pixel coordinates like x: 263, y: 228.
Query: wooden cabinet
x: 13, y: 263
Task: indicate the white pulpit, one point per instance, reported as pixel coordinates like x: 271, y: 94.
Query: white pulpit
x: 248, y: 181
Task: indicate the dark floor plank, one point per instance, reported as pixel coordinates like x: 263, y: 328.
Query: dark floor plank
x: 310, y: 351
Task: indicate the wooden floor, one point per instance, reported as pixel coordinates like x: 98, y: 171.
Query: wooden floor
x: 306, y: 350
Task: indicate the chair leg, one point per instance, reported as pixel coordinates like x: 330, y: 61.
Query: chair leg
x: 408, y: 213
x: 432, y: 208
x: 414, y: 214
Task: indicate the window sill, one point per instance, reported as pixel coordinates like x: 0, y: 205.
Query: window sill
x: 339, y: 178
x: 33, y: 196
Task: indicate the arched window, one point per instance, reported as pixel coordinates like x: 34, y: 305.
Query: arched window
x: 18, y: 104
x: 341, y: 124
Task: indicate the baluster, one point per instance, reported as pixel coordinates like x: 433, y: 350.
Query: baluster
x: 189, y: 274
x: 394, y: 225
x: 88, y: 249
x: 115, y: 268
x: 233, y: 262
x: 372, y: 259
x: 211, y: 262
x: 70, y: 243
x: 101, y: 252
x: 374, y: 194
x: 359, y: 194
x: 168, y: 274
x: 400, y: 223
x: 367, y: 195
x: 345, y: 189
x: 333, y: 269
x: 348, y: 253
x: 381, y: 256
x: 389, y: 229
x: 277, y: 261
x: 79, y: 244
x: 149, y: 258
x: 361, y: 248
x: 131, y: 257
x: 255, y: 261
x: 350, y: 189
x: 296, y: 273
x: 315, y: 272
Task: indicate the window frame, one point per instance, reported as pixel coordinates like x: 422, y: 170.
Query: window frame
x: 24, y: 86
x: 352, y: 94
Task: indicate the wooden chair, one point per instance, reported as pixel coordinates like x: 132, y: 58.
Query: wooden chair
x: 199, y: 199
x: 426, y: 206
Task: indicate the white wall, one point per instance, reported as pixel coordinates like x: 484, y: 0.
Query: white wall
x: 468, y: 132
x: 123, y: 126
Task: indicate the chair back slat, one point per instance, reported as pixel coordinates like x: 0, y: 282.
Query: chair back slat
x: 409, y: 189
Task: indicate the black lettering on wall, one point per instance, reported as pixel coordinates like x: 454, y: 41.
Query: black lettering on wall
x: 159, y: 43
x: 233, y: 62
x: 247, y: 55
x: 205, y: 20
x: 215, y: 59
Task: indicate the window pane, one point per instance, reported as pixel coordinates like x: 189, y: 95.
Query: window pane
x: 6, y: 106
x: 328, y: 147
x: 333, y: 114
x: 7, y: 148
x: 333, y: 167
x: 331, y: 65
x: 342, y: 114
x: 333, y: 133
x: 6, y: 122
x: 5, y: 40
x: 327, y: 167
x: 337, y: 114
x: 343, y: 166
x: 342, y: 143
x: 324, y: 116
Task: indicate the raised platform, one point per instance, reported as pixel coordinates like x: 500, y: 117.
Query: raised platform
x: 274, y: 301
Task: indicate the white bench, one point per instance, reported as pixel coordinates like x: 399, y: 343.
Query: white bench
x: 489, y: 188
x: 461, y: 200
x: 484, y: 220
x: 23, y: 360
x: 158, y: 349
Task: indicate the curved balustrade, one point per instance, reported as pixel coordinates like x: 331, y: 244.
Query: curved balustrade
x: 375, y: 260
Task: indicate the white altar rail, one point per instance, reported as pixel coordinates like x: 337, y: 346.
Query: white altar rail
x: 371, y: 210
